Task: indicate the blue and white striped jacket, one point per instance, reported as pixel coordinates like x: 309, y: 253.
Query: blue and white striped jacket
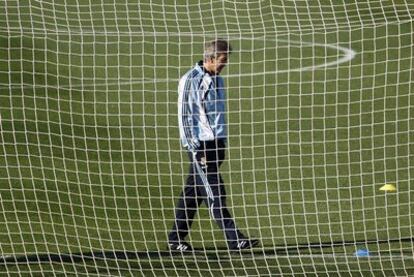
x: 201, y: 107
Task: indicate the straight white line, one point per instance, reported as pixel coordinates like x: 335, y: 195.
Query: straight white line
x: 331, y: 256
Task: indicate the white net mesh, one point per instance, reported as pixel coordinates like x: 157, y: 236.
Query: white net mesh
x: 320, y: 116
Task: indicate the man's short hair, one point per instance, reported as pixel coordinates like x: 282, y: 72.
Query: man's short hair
x: 213, y: 49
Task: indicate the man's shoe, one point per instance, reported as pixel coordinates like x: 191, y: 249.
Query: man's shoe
x: 180, y: 247
x: 245, y: 244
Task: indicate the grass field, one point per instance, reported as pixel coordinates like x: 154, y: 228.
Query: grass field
x: 90, y: 159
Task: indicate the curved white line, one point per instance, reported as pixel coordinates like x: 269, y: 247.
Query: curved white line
x: 348, y: 54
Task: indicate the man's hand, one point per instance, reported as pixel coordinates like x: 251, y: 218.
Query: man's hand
x: 200, y: 157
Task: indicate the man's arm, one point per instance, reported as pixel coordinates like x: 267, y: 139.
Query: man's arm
x: 190, y: 114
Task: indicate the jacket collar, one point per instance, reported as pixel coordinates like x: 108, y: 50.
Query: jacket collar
x: 199, y: 66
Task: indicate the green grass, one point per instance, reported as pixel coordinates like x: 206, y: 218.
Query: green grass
x: 89, y: 152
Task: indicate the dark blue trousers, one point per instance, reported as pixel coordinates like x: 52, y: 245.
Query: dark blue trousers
x: 204, y: 183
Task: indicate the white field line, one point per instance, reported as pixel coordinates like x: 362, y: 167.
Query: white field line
x: 348, y: 55
x: 328, y: 256
x: 245, y: 257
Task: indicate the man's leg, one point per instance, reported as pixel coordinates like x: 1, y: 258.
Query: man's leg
x: 215, y: 195
x: 186, y: 209
x: 221, y: 214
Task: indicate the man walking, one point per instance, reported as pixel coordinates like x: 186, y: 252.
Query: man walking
x: 201, y: 112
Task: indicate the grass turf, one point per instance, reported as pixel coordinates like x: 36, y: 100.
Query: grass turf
x: 90, y: 158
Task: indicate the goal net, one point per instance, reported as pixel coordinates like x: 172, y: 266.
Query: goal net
x: 319, y: 116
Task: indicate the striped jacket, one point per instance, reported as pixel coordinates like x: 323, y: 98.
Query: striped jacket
x: 201, y: 107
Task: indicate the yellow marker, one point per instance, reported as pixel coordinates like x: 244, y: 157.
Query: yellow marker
x: 388, y: 188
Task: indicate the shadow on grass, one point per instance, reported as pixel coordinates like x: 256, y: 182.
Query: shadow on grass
x: 207, y: 253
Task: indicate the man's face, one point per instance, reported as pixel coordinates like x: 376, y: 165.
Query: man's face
x: 216, y: 65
